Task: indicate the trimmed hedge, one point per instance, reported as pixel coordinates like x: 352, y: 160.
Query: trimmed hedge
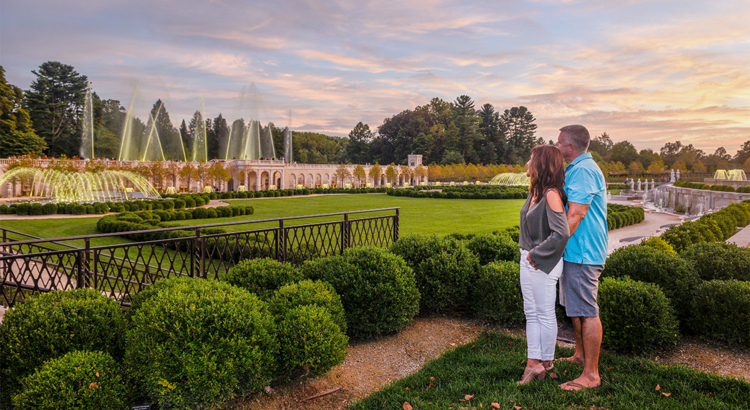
x: 619, y: 216
x: 52, y: 324
x: 719, y: 261
x: 463, y: 192
x: 377, y: 289
x: 497, y: 293
x: 673, y: 275
x: 196, y: 343
x: 308, y: 293
x: 636, y: 317
x: 311, y: 341
x: 261, y: 276
x: 77, y: 380
x: 722, y: 311
x: 714, y: 227
x: 658, y: 243
x: 493, y: 248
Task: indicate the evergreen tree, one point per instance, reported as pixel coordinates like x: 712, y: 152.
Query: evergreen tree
x: 17, y: 136
x: 218, y: 137
x: 518, y: 123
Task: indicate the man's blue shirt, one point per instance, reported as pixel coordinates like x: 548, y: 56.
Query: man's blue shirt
x: 584, y: 184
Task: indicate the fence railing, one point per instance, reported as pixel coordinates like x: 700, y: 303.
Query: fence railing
x: 30, y: 265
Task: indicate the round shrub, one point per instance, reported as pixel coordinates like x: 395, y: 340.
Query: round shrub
x: 50, y: 209
x: 377, y: 289
x: 646, y: 264
x: 416, y: 248
x: 310, y: 341
x: 658, y: 243
x: 636, y: 317
x: 446, y: 279
x: 196, y: 343
x: 52, y: 324
x: 497, y: 293
x: 200, y: 213
x: 492, y: 248
x: 211, y: 213
x: 722, y: 311
x: 306, y: 293
x: 77, y: 380
x: 261, y: 276
x: 719, y: 260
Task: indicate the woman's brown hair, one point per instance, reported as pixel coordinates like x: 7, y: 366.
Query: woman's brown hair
x: 547, y: 172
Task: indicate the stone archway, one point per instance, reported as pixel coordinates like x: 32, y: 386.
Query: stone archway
x: 252, y: 181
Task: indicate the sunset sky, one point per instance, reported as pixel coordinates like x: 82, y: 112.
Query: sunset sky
x: 645, y: 71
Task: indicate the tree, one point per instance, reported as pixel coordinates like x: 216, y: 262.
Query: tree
x: 17, y: 137
x: 493, y: 146
x: 520, y: 133
x: 467, y: 122
x: 624, y: 152
x: 635, y: 168
x: 218, y: 138
x: 218, y: 174
x: 656, y: 167
x: 647, y: 156
x: 188, y: 173
x: 452, y: 157
x: 391, y: 174
x: 342, y: 173
x: 197, y: 133
x: 375, y: 173
x: 55, y: 104
x: 359, y: 174
x: 699, y: 167
x: 357, y: 151
x: 601, y: 144
x: 742, y: 154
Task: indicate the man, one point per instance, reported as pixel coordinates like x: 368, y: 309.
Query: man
x: 585, y: 253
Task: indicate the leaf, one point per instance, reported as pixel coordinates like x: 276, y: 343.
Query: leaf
x: 468, y: 397
x: 97, y: 374
x: 666, y: 394
x: 406, y: 388
x: 496, y: 405
x: 658, y: 387
x: 609, y: 368
x: 428, y: 386
x: 407, y: 406
x: 93, y: 385
x: 473, y: 346
x: 553, y: 375
x: 517, y: 407
x: 432, y: 378
x: 452, y: 344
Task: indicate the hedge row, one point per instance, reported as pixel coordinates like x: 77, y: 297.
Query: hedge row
x: 717, y: 226
x: 489, y: 193
x: 619, y: 216
x: 184, y: 201
x: 282, y: 192
x: 721, y: 188
x: 185, y: 343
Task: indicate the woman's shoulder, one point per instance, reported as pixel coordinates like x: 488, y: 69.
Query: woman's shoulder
x: 554, y: 200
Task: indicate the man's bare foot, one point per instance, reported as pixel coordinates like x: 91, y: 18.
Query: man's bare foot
x: 581, y: 383
x: 572, y: 359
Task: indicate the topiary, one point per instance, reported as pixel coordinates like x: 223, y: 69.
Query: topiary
x: 305, y: 293
x: 722, y: 311
x: 497, y: 293
x: 52, y: 324
x: 197, y: 343
x: 416, y: 248
x: 261, y: 276
x: 445, y: 280
x: 77, y: 380
x: 719, y: 260
x: 310, y: 341
x: 636, y: 317
x: 658, y: 243
x: 377, y: 289
x: 492, y: 248
x: 646, y: 264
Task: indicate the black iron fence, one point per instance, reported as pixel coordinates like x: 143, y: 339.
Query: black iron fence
x: 30, y: 265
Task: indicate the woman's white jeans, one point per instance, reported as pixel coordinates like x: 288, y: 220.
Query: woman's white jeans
x: 539, y: 294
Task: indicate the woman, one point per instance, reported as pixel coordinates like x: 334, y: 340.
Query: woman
x: 543, y: 236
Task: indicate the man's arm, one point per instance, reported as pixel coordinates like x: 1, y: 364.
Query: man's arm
x: 575, y: 215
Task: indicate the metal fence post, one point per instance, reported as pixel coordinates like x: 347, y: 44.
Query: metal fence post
x: 281, y: 242
x: 202, y: 246
x: 345, y: 234
x: 86, y: 260
x: 395, y: 225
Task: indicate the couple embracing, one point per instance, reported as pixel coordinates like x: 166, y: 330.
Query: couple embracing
x: 563, y: 236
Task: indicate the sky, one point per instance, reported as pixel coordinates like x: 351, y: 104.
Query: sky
x: 649, y: 72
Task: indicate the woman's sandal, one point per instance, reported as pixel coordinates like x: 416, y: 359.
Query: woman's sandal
x: 529, y: 374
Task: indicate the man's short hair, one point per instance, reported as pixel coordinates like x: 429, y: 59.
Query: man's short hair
x: 578, y: 135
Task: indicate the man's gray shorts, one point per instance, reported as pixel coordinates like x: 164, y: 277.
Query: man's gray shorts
x: 579, y: 285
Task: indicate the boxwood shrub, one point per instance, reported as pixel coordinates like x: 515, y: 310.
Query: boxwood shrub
x: 636, y: 317
x: 497, y: 293
x: 306, y: 293
x: 77, y: 380
x: 196, y: 343
x: 722, y: 311
x: 719, y: 260
x: 493, y: 248
x: 643, y: 263
x: 310, y: 341
x: 377, y: 289
x: 261, y: 276
x: 416, y: 248
x: 52, y: 324
x: 658, y: 243
x: 446, y: 279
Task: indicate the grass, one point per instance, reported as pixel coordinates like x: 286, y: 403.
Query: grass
x: 418, y: 215
x: 489, y: 367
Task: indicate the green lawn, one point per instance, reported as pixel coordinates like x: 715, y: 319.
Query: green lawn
x: 489, y: 367
x: 418, y: 215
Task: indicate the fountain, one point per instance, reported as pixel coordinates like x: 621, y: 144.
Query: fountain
x: 66, y: 187
x: 731, y: 175
x: 510, y: 178
x: 87, y: 136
